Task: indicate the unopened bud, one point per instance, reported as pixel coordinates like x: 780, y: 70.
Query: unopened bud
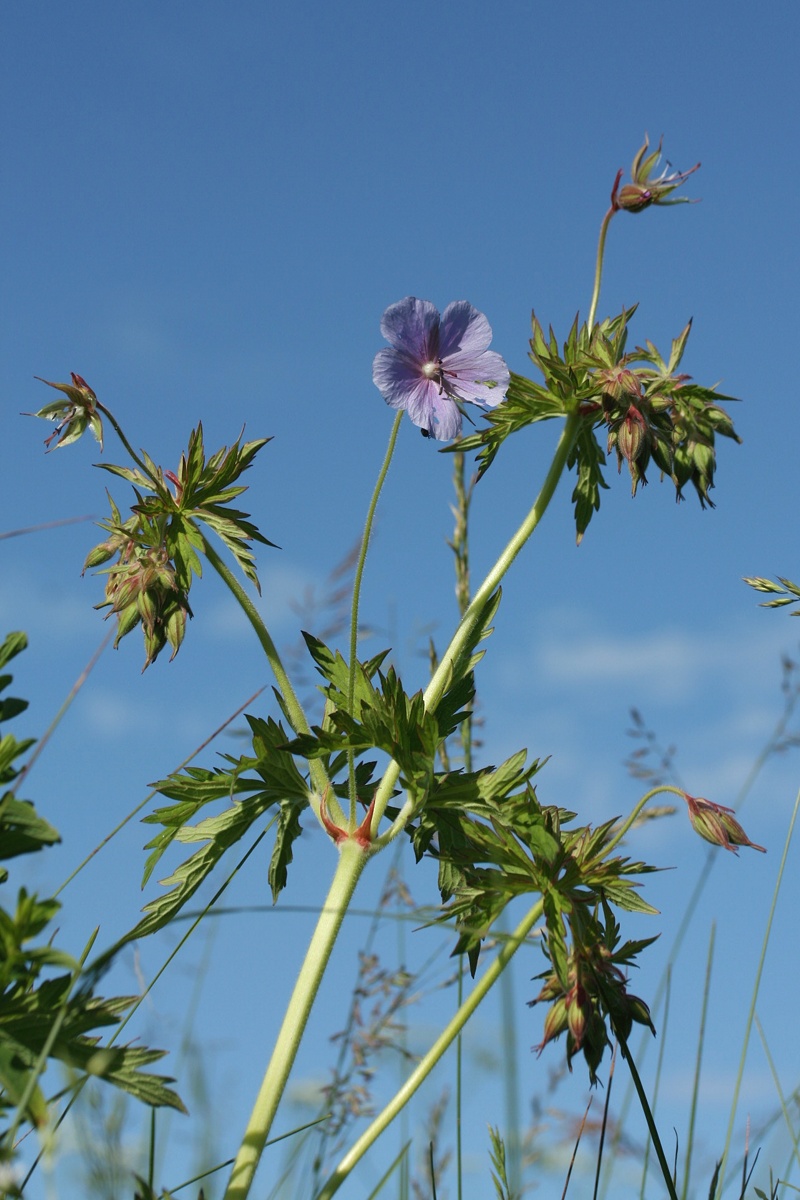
x: 554, y: 1023
x: 632, y: 434
x: 717, y: 824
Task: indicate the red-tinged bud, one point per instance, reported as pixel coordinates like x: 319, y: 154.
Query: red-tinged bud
x: 122, y: 589
x: 632, y: 434
x: 717, y: 824
x: 101, y: 554
x: 555, y: 1023
x: 148, y: 608
x: 619, y: 382
x: 82, y: 386
x: 550, y: 989
x: 577, y: 1008
x: 72, y: 415
x: 153, y: 645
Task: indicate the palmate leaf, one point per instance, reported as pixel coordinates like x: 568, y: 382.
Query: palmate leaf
x: 26, y: 1023
x: 383, y: 716
x: 22, y: 830
x: 286, y: 834
x: 191, y: 791
x: 272, y: 780
x: 589, y: 457
x: 270, y: 772
x: 334, y: 670
x: 219, y: 833
x: 15, y: 1074
x: 525, y: 403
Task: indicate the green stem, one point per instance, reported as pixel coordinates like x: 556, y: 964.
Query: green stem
x: 598, y: 270
x: 362, y: 558
x: 348, y: 871
x: 443, y: 673
x: 460, y: 548
x: 294, y: 709
x: 118, y: 430
x: 437, y: 1050
x: 634, y: 813
x: 648, y: 1116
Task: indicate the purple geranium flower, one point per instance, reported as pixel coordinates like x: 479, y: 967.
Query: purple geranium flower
x: 436, y: 363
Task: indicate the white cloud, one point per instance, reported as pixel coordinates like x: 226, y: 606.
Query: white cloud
x: 665, y: 663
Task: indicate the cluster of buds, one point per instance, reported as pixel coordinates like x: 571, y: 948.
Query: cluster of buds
x: 629, y: 414
x: 655, y: 413
x: 594, y: 988
x: 142, y: 588
x: 643, y: 191
x: 717, y: 824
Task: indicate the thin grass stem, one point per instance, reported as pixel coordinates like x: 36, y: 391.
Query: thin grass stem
x: 687, y: 1169
x: 435, y: 1053
x: 781, y: 1098
x: 62, y: 712
x: 754, y: 998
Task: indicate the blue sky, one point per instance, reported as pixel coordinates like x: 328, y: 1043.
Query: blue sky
x: 207, y: 208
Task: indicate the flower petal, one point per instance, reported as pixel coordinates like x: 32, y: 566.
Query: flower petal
x: 412, y: 326
x: 463, y: 330
x: 438, y: 415
x: 481, y: 379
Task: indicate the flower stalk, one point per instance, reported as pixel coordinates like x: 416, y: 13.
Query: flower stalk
x: 359, y: 573
x: 352, y: 859
x: 294, y: 708
x: 466, y: 627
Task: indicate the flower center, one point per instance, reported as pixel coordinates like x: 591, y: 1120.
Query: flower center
x: 434, y: 369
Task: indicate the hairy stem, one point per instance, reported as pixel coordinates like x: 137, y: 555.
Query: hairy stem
x: 460, y: 548
x: 362, y: 557
x: 348, y: 871
x: 598, y: 270
x: 118, y: 430
x: 294, y: 709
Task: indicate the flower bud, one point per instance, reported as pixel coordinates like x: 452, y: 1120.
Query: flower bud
x: 632, y: 434
x: 717, y: 824
x: 576, y: 1014
x: 554, y: 1023
x: 618, y: 382
x: 176, y: 629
